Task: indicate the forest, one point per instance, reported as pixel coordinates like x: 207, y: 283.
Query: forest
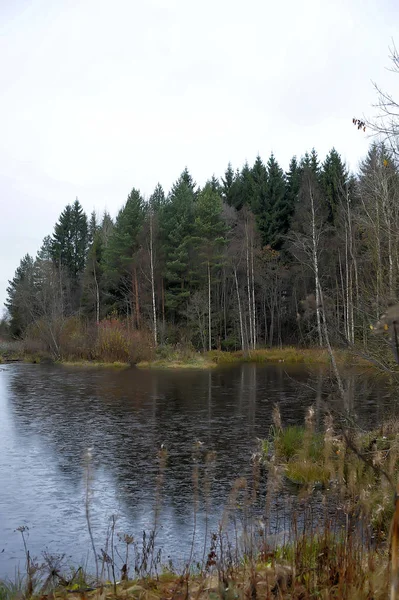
x: 257, y: 258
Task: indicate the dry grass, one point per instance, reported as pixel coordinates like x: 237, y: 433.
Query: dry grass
x: 198, y: 362
x: 339, y: 552
x: 95, y: 363
x: 288, y: 354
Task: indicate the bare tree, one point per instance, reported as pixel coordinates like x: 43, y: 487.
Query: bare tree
x: 307, y: 238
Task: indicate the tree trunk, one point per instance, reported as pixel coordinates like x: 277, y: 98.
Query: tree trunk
x: 249, y: 290
x: 163, y: 306
x: 97, y: 292
x: 239, y: 311
x: 253, y: 294
x: 136, y: 288
x: 154, y: 308
x: 316, y: 269
x: 209, y: 308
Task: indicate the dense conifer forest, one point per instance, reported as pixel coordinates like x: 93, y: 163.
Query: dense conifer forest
x: 256, y: 258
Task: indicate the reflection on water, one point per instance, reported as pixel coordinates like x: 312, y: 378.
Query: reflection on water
x: 49, y: 416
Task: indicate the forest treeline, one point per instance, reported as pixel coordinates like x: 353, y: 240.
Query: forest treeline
x: 258, y: 258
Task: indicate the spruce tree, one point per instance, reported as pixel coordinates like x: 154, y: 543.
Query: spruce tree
x: 157, y: 198
x: 70, y: 240
x: 120, y: 255
x: 311, y: 162
x: 273, y: 212
x: 293, y: 184
x: 177, y: 232
x: 209, y: 240
x: 21, y: 296
x: 259, y: 184
x: 228, y: 185
x: 334, y: 179
x: 92, y: 228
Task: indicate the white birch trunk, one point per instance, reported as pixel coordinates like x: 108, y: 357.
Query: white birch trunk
x: 316, y: 269
x: 154, y: 307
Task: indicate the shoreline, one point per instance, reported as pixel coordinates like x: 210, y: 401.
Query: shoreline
x: 288, y: 355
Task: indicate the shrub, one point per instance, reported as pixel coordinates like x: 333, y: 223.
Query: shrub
x: 118, y: 342
x: 112, y: 341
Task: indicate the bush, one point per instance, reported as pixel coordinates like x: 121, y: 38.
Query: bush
x: 117, y: 342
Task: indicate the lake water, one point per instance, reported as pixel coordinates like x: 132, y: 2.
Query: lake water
x: 51, y: 415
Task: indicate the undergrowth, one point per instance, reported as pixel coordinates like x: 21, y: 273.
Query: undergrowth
x: 333, y: 545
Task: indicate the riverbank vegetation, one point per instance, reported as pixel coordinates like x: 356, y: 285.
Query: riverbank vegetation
x: 256, y: 259
x: 334, y: 540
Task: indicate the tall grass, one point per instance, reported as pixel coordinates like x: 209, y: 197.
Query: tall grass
x: 333, y: 545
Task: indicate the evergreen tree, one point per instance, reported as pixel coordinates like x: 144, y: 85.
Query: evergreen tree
x: 273, y: 212
x: 209, y: 240
x: 228, y: 185
x: 21, y: 296
x: 334, y: 179
x: 237, y: 187
x: 259, y: 184
x: 293, y: 184
x: 157, y: 198
x: 70, y: 240
x: 310, y: 162
x: 214, y: 183
x: 177, y: 233
x: 245, y: 190
x: 120, y: 253
x: 92, y: 228
x: 107, y: 227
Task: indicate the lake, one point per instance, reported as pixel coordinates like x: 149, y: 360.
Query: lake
x: 51, y: 415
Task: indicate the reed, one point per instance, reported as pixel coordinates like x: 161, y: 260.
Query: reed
x: 337, y: 548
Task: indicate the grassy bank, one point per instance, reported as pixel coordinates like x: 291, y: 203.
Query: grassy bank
x: 198, y: 361
x: 93, y: 363
x: 349, y: 573
x: 289, y: 355
x: 171, y: 357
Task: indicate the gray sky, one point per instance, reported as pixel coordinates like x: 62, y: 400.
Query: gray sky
x: 97, y: 97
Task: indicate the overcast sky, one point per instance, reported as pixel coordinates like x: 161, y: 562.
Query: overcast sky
x: 97, y: 96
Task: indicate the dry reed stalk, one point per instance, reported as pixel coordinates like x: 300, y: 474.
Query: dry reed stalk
x: 276, y: 417
x: 395, y: 549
